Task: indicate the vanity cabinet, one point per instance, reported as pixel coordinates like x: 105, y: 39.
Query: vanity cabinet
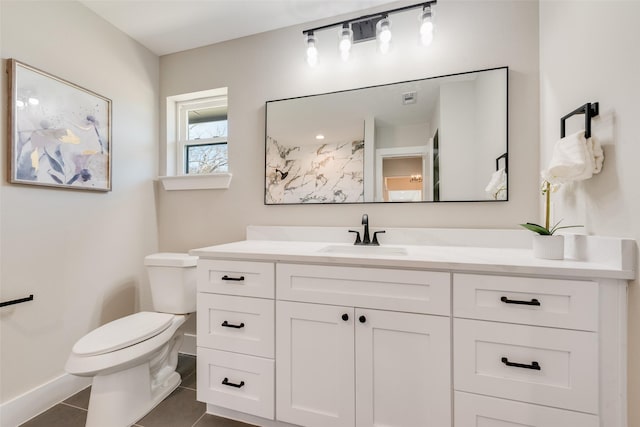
x: 235, y: 335
x: 288, y: 336
x: 394, y: 366
x: 362, y: 364
x: 529, y: 340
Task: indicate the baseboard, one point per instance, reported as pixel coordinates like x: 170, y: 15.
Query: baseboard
x: 188, y: 344
x: 26, y: 406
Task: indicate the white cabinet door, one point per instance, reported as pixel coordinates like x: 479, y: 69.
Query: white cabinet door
x: 314, y: 364
x: 402, y: 369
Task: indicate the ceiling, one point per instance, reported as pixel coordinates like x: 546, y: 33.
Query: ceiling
x: 169, y: 26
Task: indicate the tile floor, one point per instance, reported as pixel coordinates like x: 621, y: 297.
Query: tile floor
x: 179, y: 409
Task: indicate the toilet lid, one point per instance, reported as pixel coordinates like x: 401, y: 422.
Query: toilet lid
x: 122, y: 333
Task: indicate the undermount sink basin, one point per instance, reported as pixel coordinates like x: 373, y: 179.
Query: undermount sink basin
x: 364, y: 250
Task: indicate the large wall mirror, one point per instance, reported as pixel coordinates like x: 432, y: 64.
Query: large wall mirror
x: 440, y: 139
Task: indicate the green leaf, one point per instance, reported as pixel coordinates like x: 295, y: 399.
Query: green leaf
x: 556, y: 228
x: 536, y: 228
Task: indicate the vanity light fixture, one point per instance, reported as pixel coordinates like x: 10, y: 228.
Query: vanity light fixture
x: 376, y: 26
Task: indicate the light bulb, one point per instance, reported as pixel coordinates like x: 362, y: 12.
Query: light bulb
x: 383, y: 34
x: 33, y: 101
x: 19, y: 103
x: 426, y: 26
x: 312, y: 50
x: 346, y: 41
x: 384, y: 30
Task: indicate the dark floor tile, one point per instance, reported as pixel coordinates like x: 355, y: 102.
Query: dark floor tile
x: 80, y: 399
x: 186, y: 365
x: 213, y: 421
x: 60, y: 415
x: 179, y: 409
x: 190, y: 381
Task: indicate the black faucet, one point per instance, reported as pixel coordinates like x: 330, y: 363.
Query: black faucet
x: 365, y: 238
x: 365, y: 222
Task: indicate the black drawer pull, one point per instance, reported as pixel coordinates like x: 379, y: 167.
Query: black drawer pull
x: 362, y: 319
x: 233, y: 279
x: 345, y: 317
x: 225, y: 381
x: 515, y: 301
x: 229, y: 325
x: 534, y: 365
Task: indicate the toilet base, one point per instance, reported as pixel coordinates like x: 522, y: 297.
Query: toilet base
x: 122, y: 398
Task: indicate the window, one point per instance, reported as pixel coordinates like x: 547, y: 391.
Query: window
x: 202, y: 136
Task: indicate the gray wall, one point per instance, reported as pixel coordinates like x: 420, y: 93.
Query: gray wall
x: 79, y: 253
x: 471, y: 35
x: 578, y: 66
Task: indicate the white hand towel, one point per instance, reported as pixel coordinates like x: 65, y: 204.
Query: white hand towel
x: 574, y: 158
x: 497, y: 187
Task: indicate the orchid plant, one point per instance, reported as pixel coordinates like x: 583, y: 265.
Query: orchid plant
x: 546, y: 189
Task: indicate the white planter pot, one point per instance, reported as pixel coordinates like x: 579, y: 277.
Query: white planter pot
x: 548, y: 247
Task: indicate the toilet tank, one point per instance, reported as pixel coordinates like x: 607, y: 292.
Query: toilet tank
x: 172, y: 278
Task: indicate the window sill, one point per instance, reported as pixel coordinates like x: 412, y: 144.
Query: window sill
x: 214, y: 181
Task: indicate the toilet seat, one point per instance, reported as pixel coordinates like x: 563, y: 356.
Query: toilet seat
x: 122, y: 333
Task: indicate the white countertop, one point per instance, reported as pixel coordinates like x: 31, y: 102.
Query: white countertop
x: 600, y: 257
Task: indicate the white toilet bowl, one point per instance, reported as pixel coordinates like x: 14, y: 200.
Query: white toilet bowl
x: 133, y: 359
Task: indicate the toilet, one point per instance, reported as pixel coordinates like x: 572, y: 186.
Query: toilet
x: 133, y: 359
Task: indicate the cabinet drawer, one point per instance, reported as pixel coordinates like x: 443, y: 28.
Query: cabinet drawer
x: 398, y: 290
x: 242, y: 278
x: 569, y: 304
x: 238, y: 324
x: 235, y: 381
x: 473, y: 410
x: 500, y: 360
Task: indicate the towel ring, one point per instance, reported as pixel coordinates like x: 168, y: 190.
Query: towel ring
x: 589, y: 110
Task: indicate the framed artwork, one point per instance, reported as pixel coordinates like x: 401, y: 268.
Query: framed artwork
x: 59, y: 132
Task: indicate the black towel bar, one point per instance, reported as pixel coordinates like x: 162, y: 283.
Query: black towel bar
x: 16, y: 301
x: 506, y: 162
x: 590, y: 110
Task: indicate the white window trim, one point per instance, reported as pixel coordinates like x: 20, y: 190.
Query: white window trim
x: 207, y: 181
x: 175, y: 178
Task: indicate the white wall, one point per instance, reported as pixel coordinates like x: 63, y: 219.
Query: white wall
x: 79, y: 253
x: 457, y: 136
x: 470, y: 36
x: 589, y: 52
x: 402, y: 135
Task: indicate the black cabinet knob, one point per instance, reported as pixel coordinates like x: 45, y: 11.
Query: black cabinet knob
x: 345, y: 317
x: 362, y: 319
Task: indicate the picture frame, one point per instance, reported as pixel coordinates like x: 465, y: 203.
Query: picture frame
x: 59, y: 132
